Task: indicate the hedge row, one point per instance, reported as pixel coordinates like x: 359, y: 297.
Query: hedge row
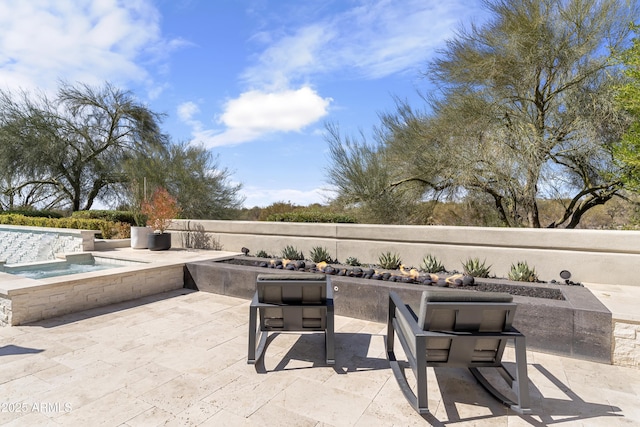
x: 108, y: 229
x: 33, y: 213
x: 310, y: 216
x: 113, y: 216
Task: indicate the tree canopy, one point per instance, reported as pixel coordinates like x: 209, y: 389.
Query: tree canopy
x: 71, y: 147
x: 523, y: 110
x: 628, y: 149
x: 192, y: 173
x: 100, y: 143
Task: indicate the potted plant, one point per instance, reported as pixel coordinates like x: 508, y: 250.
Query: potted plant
x: 139, y: 231
x: 160, y: 209
x: 140, y: 234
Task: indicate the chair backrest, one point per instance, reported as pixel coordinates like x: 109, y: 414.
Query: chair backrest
x: 292, y: 289
x: 301, y: 301
x: 465, y: 311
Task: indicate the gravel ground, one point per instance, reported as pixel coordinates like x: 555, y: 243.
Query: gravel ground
x: 526, y: 291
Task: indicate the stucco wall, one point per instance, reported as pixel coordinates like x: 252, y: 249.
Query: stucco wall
x: 592, y: 256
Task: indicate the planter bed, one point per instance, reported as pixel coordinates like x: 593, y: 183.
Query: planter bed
x: 578, y: 326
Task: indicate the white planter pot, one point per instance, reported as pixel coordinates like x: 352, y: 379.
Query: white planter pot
x: 139, y: 237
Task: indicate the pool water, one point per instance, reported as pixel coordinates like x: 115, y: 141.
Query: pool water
x: 61, y: 269
x: 72, y: 264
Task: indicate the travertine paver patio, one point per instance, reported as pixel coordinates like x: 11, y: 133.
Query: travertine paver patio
x: 180, y: 359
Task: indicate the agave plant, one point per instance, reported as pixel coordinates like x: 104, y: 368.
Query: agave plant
x: 389, y: 261
x: 319, y: 254
x: 262, y: 254
x: 476, y: 268
x: 290, y: 252
x: 353, y: 261
x: 521, y: 272
x: 431, y: 264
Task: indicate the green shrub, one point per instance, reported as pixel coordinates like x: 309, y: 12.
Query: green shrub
x: 352, y: 261
x: 115, y: 230
x: 521, y: 272
x: 289, y: 252
x: 108, y: 229
x: 107, y: 215
x: 33, y: 213
x: 311, y: 216
x: 319, y: 254
x: 389, y: 261
x: 431, y: 264
x: 262, y: 254
x: 473, y: 267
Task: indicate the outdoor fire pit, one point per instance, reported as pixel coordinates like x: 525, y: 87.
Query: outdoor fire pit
x: 408, y: 276
x: 556, y: 318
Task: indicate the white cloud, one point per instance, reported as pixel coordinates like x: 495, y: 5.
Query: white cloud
x: 293, y: 55
x: 187, y: 110
x: 289, y: 110
x: 256, y: 113
x: 377, y: 38
x: 374, y: 39
x: 42, y: 41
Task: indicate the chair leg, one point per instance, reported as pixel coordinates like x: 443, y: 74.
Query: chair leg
x: 422, y: 403
x: 390, y: 331
x: 251, y: 354
x: 522, y: 379
x: 262, y: 343
x: 520, y: 384
x: 419, y: 402
x: 329, y: 337
x: 257, y: 337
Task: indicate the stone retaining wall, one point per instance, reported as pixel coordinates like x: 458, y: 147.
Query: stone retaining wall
x: 626, y: 335
x: 25, y: 300
x: 5, y: 311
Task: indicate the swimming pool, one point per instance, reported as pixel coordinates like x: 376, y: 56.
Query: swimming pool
x: 72, y: 264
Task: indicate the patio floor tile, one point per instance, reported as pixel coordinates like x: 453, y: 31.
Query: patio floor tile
x: 180, y: 359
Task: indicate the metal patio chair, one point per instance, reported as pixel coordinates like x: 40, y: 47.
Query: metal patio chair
x: 457, y: 328
x: 291, y: 303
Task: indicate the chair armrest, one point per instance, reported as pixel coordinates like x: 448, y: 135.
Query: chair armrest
x: 395, y: 302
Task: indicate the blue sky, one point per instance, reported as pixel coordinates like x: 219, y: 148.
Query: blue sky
x: 253, y: 80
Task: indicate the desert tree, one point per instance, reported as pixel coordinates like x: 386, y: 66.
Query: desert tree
x: 191, y: 173
x: 361, y: 177
x: 536, y: 83
x: 73, y: 145
x: 522, y: 109
x: 628, y: 96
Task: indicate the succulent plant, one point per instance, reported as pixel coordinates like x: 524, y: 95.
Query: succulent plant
x: 262, y: 254
x: 353, y: 261
x: 319, y: 254
x: 290, y: 252
x: 474, y: 267
x: 521, y: 272
x: 431, y: 264
x: 389, y: 261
